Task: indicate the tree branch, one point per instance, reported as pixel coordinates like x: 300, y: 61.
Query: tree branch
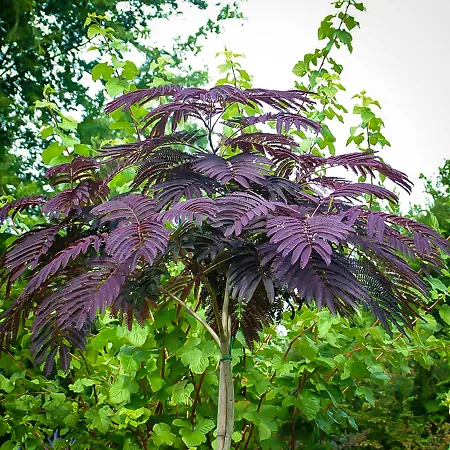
x: 194, y: 315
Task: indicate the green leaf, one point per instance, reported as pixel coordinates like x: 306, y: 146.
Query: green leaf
x: 82, y: 150
x: 195, y: 359
x: 116, y: 87
x: 94, y: 30
x: 181, y: 392
x: 46, y: 132
x: 156, y: 382
x: 162, y: 434
x: 326, y: 28
x: 5, y: 384
x: 137, y: 336
x: 307, y: 348
x: 68, y: 123
x: 121, y: 390
x: 45, y: 104
x: 438, y: 284
x: 99, y: 420
x: 367, y: 393
x: 205, y: 426
x: 68, y: 141
x: 300, y: 69
x: 130, y: 71
x: 345, y: 37
x: 192, y: 438
x: 264, y: 431
x: 102, y: 71
x: 81, y: 384
x: 130, y: 445
x: 52, y: 151
x: 444, y: 312
x: 309, y: 404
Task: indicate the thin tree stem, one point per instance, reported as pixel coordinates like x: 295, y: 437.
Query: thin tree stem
x: 195, y: 316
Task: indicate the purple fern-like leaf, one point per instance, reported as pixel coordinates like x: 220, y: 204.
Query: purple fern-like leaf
x: 244, y: 168
x: 298, y: 237
x: 19, y: 205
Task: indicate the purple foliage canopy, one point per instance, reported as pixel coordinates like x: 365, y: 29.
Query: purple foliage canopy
x: 249, y: 211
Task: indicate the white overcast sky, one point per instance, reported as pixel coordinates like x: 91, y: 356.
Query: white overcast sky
x: 401, y: 57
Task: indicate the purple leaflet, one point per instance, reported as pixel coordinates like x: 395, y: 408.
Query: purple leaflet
x: 139, y: 233
x: 132, y: 208
x: 264, y: 143
x: 165, y: 164
x: 137, y: 152
x: 367, y: 163
x: 281, y: 189
x: 352, y: 190
x: 237, y: 210
x: 74, y: 172
x: 67, y: 312
x: 27, y: 251
x: 70, y: 199
x: 19, y: 205
x: 140, y: 97
x: 159, y: 117
x: 192, y: 210
x: 284, y: 120
x: 133, y: 241
x: 61, y: 260
x: 426, y: 240
x: 331, y: 285
x: 298, y: 237
x: 280, y: 100
x: 243, y: 168
x: 245, y: 273
x: 218, y: 94
x: 183, y: 183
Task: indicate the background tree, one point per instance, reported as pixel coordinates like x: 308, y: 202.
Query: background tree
x: 45, y: 42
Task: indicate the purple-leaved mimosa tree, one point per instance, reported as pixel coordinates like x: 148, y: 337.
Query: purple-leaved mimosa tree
x: 254, y: 223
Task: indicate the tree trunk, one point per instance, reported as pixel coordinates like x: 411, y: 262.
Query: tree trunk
x: 225, y: 410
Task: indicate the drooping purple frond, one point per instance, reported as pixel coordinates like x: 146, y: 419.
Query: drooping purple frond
x: 281, y: 189
x: 158, y: 118
x: 184, y: 183
x: 368, y: 163
x: 280, y: 100
x: 65, y: 312
x: 79, y: 169
x: 218, y: 94
x: 238, y: 209
x: 243, y: 168
x: 264, y: 143
x: 138, y: 235
x: 245, y: 273
x: 19, y: 205
x: 137, y: 152
x: 352, y: 190
x: 26, y: 251
x: 298, y: 237
x: 132, y: 208
x: 62, y: 259
x: 362, y: 164
x: 193, y: 209
x: 165, y: 164
x: 140, y: 97
x: 284, y: 121
x: 64, y: 202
